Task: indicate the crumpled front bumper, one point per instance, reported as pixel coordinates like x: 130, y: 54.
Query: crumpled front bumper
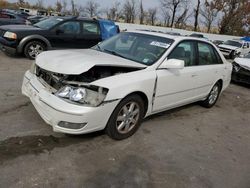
x: 55, y: 110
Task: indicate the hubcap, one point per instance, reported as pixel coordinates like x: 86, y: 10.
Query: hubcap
x: 127, y: 117
x: 213, y: 95
x: 35, y: 50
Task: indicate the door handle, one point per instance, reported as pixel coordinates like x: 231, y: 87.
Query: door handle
x: 194, y: 75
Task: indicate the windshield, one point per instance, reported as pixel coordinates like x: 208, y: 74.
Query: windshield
x: 233, y: 43
x: 142, y: 48
x: 48, y: 23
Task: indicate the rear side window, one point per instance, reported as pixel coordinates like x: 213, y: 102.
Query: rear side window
x: 91, y: 28
x: 70, y: 27
x: 207, y: 54
x: 219, y: 60
x: 185, y: 51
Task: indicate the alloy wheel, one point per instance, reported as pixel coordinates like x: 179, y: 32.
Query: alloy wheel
x: 35, y: 50
x: 127, y: 117
x: 214, y: 94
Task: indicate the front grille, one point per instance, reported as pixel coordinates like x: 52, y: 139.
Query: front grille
x: 225, y: 50
x: 52, y: 79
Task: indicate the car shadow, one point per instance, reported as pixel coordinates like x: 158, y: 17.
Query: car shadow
x: 245, y: 85
x: 171, y: 112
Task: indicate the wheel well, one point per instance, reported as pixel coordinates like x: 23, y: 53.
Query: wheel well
x: 144, y: 98
x: 32, y: 40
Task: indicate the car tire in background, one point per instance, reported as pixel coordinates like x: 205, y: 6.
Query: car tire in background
x: 126, y: 118
x: 213, y: 96
x: 34, y: 48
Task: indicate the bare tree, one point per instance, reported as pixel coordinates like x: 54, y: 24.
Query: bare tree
x: 64, y: 6
x: 21, y: 3
x: 196, y: 15
x: 129, y: 11
x: 182, y: 19
x: 209, y: 13
x: 151, y: 17
x: 114, y: 12
x: 142, y: 13
x: 39, y: 4
x: 73, y: 7
x: 165, y: 16
x: 173, y: 6
x: 234, y: 12
x: 59, y: 6
x: 91, y: 8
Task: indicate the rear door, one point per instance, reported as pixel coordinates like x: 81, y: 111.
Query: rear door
x: 65, y: 35
x: 209, y: 70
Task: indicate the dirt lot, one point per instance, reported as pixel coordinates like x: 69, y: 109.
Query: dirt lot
x: 187, y: 147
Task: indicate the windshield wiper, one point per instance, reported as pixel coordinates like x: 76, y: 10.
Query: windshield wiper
x: 114, y: 53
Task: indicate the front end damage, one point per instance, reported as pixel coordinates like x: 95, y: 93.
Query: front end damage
x: 70, y: 103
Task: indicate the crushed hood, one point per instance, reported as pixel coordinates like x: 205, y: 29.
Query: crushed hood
x: 228, y: 47
x: 244, y: 62
x: 79, y: 61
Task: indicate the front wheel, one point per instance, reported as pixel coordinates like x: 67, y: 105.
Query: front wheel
x: 126, y: 118
x: 212, y: 96
x: 33, y: 49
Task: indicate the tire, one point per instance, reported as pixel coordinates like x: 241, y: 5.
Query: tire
x: 124, y: 122
x: 34, y: 48
x: 212, y: 96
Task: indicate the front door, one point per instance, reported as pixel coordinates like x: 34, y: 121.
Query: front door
x: 176, y: 87
x: 65, y: 35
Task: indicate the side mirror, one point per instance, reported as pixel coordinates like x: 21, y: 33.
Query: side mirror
x: 172, y: 64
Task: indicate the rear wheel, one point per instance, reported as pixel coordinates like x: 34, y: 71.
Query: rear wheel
x: 126, y: 118
x: 212, y: 96
x: 33, y: 49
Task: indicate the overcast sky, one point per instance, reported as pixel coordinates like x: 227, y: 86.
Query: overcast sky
x: 105, y: 3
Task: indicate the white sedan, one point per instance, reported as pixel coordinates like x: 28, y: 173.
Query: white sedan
x: 117, y: 83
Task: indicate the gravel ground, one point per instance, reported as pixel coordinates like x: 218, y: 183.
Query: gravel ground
x: 186, y: 147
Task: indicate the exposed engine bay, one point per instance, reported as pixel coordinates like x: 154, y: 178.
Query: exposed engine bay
x: 57, y: 81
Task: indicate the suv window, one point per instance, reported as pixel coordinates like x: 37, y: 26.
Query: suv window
x: 71, y: 27
x: 91, y: 28
x: 185, y: 51
x: 206, y: 54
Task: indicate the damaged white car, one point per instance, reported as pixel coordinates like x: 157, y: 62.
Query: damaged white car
x: 114, y: 85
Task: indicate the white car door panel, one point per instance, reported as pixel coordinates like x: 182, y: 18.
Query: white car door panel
x: 174, y: 88
x: 207, y: 76
x: 210, y: 69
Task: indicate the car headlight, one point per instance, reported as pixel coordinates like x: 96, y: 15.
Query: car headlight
x: 10, y: 35
x: 81, y: 95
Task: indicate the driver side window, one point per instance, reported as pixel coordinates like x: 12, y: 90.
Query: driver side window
x: 185, y: 51
x: 70, y: 27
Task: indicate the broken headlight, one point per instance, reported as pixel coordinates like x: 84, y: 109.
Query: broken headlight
x: 81, y: 95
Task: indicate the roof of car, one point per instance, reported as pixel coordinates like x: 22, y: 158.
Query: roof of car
x: 174, y: 37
